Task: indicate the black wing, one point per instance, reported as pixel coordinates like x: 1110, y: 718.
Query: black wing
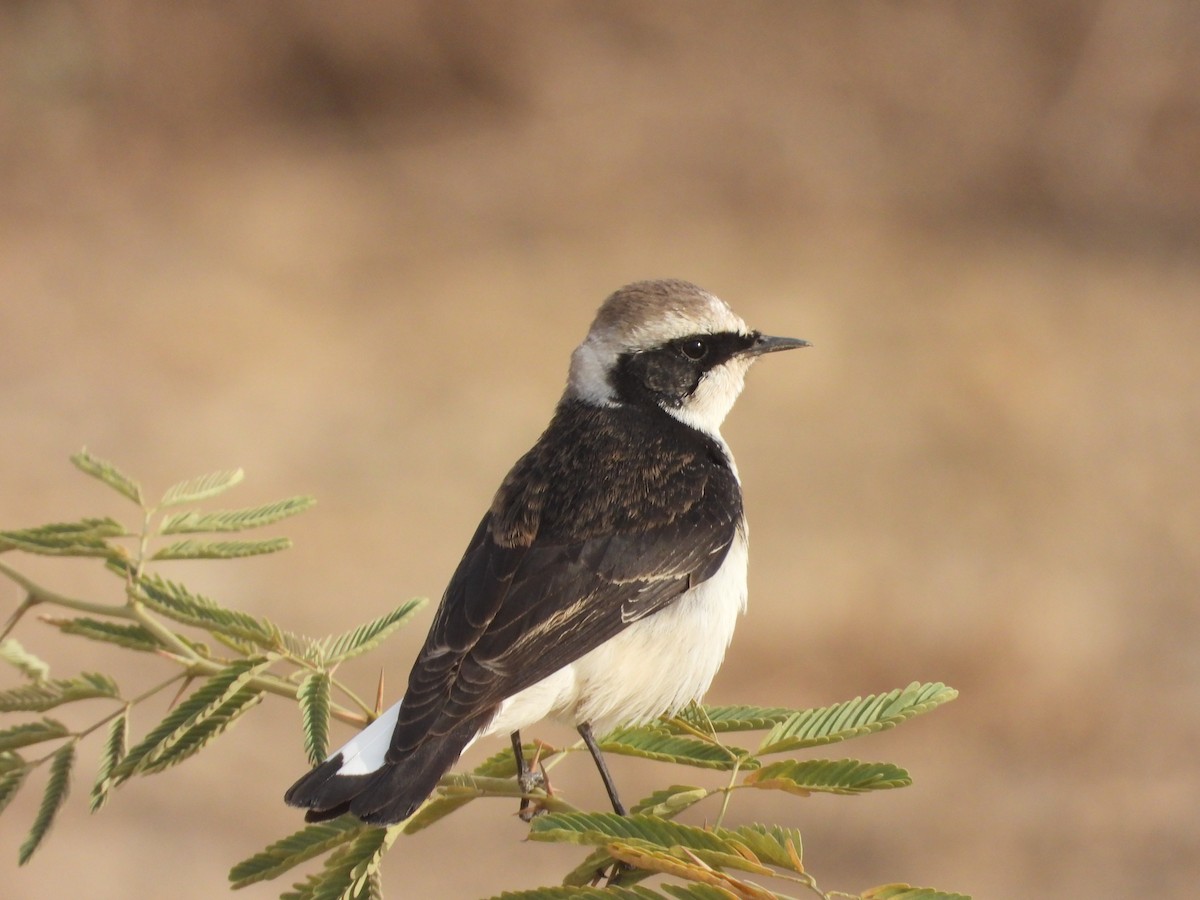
x: 611, y: 516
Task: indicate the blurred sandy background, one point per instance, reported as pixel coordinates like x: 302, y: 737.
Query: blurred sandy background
x: 350, y: 248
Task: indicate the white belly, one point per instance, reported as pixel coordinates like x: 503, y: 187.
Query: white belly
x: 655, y: 666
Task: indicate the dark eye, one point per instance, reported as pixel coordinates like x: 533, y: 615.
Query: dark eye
x: 694, y: 349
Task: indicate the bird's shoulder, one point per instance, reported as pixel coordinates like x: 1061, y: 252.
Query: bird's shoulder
x: 602, y: 470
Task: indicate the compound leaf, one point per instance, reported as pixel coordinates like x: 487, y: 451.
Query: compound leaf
x: 129, y: 636
x: 194, y: 522
x: 27, y: 733
x: 25, y: 662
x: 176, y: 602
x: 303, y: 845
x: 46, y: 695
x: 313, y: 695
x: 110, y: 757
x: 657, y: 743
x: 908, y: 892
x: 85, y: 538
x: 196, y: 489
x: 370, y: 635
x: 852, y: 718
x: 190, y: 549
x: 831, y: 776
x: 437, y: 807
x: 600, y: 829
x: 700, y: 892
x: 109, y: 474
x: 670, y: 802
x: 11, y: 780
x: 746, y: 718
x: 222, y: 698
x: 55, y: 795
x: 204, y: 732
x: 350, y: 873
x: 582, y: 892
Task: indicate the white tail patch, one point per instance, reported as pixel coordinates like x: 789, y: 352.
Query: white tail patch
x: 366, y: 751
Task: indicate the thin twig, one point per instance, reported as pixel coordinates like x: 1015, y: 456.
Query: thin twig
x: 41, y: 594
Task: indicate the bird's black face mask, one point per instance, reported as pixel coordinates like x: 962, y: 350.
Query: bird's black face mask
x: 668, y: 375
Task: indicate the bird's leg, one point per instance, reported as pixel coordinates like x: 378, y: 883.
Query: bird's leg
x: 528, y: 779
x: 613, y: 875
x: 585, y: 732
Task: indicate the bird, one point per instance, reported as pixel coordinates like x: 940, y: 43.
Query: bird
x: 602, y: 585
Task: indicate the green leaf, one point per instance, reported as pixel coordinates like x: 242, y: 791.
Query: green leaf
x: 435, y: 809
x: 862, y: 715
x: 624, y: 837
x: 109, y: 474
x: 504, y: 765
x: 110, y: 757
x: 55, y: 795
x: 26, y: 663
x: 691, y: 865
x: 746, y: 718
x: 85, y: 538
x: 832, y: 776
x: 204, y: 732
x: 668, y: 803
x: 303, y: 845
x: 351, y: 873
x: 749, y: 847
x: 691, y: 719
x: 48, y: 694
x: 222, y: 549
x: 194, y: 522
x: 28, y: 733
x: 196, y: 489
x: 10, y: 762
x: 175, y: 602
x: 699, y: 892
x: 370, y: 635
x: 908, y: 892
x: 601, y: 829
x: 313, y: 695
x: 566, y: 892
x: 657, y: 743
x: 222, y: 699
x: 771, y: 844
x: 302, y: 647
x: 132, y: 637
x: 10, y: 782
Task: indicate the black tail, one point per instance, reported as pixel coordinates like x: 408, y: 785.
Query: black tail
x: 386, y: 796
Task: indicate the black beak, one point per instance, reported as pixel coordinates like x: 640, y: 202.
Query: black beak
x: 764, y: 343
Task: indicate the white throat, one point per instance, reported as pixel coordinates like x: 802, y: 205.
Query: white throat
x: 714, y: 397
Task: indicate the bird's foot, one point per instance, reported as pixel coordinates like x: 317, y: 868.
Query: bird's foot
x: 611, y: 874
x: 532, y: 778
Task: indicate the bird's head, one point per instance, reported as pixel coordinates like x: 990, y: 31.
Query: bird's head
x: 669, y: 344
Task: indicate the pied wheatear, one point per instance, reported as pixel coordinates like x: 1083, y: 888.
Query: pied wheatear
x: 603, y: 584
